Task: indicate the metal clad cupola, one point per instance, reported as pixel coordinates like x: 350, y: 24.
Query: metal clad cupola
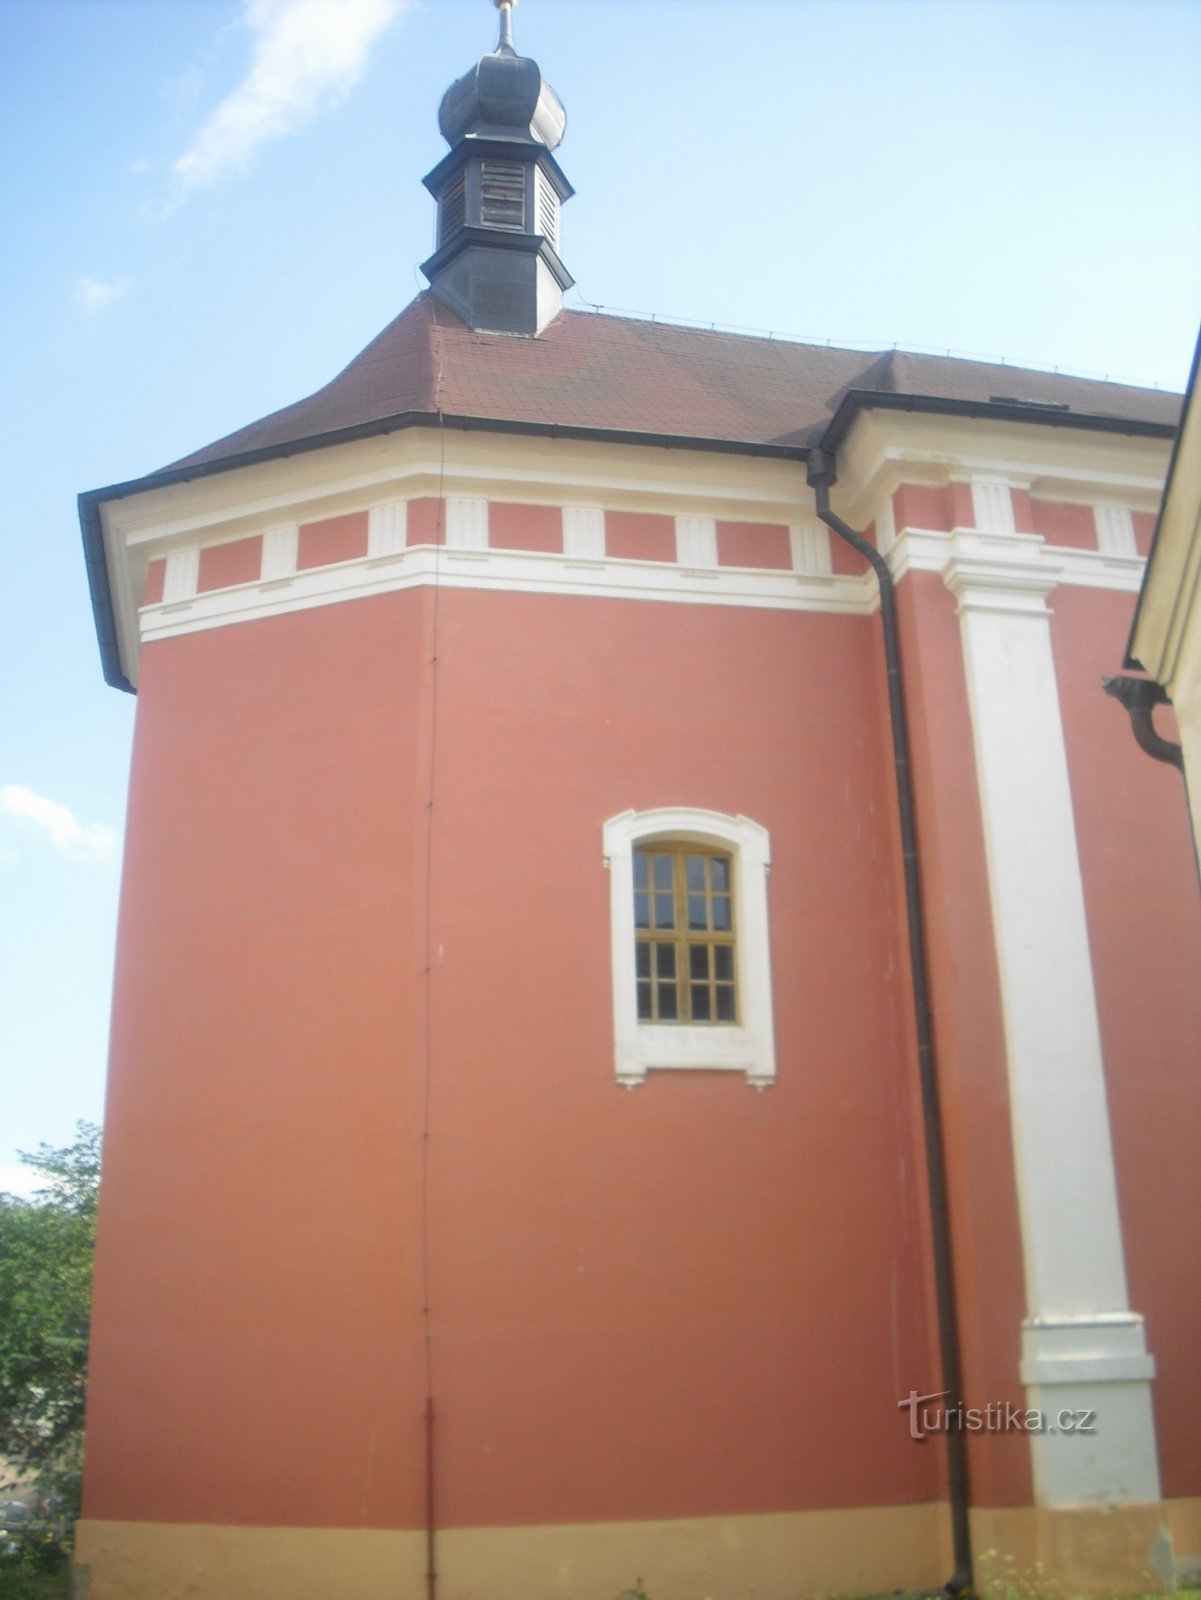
x: 499, y: 192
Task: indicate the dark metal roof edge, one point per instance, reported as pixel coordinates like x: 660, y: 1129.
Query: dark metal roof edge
x: 1190, y: 400
x: 856, y: 400
x: 91, y: 500
x: 101, y: 593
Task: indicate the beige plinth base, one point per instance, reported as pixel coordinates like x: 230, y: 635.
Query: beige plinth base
x: 1184, y: 1519
x: 1070, y: 1551
x: 1023, y: 1551
x: 781, y: 1557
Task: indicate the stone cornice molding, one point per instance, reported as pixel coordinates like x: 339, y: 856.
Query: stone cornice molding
x: 999, y: 572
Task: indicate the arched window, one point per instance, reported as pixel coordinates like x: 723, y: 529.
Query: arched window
x: 691, y: 960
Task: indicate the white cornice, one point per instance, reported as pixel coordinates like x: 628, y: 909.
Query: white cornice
x: 887, y: 448
x: 929, y: 550
x: 882, y: 450
x: 420, y: 461
x: 510, y: 572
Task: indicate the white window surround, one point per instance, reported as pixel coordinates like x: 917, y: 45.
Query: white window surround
x: 642, y: 1047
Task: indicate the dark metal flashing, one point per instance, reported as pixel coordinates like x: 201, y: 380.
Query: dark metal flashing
x: 101, y: 591
x: 92, y: 499
x: 529, y: 244
x: 857, y: 400
x: 1190, y: 400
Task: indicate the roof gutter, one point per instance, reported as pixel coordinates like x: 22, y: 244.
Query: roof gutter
x: 822, y: 473
x: 91, y: 501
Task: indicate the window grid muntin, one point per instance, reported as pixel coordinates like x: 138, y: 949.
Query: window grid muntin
x: 689, y: 977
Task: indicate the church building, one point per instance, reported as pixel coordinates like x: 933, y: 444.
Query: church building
x: 654, y: 1043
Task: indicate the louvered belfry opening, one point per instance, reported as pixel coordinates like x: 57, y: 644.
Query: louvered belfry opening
x: 452, y: 210
x: 502, y: 195
x: 499, y: 191
x: 548, y: 210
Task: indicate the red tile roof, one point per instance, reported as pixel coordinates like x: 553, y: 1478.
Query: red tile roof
x: 594, y: 371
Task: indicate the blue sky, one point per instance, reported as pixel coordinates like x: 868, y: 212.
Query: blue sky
x: 211, y: 205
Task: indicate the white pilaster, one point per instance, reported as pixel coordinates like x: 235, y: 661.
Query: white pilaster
x: 466, y: 524
x: 810, y: 543
x: 180, y: 576
x: 992, y: 505
x: 1115, y: 530
x: 696, y: 541
x: 387, y: 529
x: 1083, y: 1348
x: 886, y: 526
x: 584, y: 533
x: 280, y: 546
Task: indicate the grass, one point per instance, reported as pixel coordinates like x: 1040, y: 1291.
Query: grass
x: 46, y: 1575
x: 37, y: 1574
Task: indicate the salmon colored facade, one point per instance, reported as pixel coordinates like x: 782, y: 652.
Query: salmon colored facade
x: 447, y: 1245
x: 365, y: 1144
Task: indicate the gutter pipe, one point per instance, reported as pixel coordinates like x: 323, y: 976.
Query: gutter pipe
x: 822, y: 474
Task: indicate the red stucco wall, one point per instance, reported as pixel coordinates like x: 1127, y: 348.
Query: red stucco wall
x: 685, y: 1299
x: 1144, y: 926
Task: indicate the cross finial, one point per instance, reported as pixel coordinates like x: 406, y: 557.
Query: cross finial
x: 505, y: 7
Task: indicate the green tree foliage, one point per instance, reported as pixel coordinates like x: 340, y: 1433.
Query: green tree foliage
x: 46, y: 1246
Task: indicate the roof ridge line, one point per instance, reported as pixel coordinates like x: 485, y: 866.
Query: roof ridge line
x: 868, y: 347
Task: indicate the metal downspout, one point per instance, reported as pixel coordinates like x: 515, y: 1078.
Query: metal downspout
x: 822, y: 474
x: 1140, y: 696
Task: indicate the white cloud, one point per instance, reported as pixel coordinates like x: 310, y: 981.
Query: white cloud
x: 93, y: 295
x: 93, y: 843
x: 308, y: 54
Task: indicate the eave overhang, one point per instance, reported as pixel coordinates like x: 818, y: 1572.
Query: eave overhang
x: 853, y: 404
x: 1048, y: 416
x: 92, y: 501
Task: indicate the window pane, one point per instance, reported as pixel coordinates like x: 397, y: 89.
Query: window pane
x: 700, y: 1002
x: 667, y: 1001
x: 665, y: 912
x: 698, y: 917
x: 642, y: 910
x: 723, y: 962
x: 663, y: 873
x: 719, y: 868
x: 721, y: 913
x: 665, y: 960
x: 644, y: 1002
x: 640, y: 869
x: 642, y: 959
x: 694, y: 867
x: 698, y: 961
x: 725, y: 1003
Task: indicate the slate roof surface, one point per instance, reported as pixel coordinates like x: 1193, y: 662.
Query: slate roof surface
x: 595, y: 371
